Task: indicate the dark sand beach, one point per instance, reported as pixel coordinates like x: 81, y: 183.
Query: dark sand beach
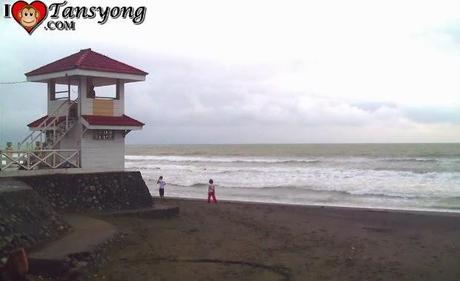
x: 249, y: 241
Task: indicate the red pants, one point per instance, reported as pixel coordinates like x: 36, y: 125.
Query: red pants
x: 213, y: 195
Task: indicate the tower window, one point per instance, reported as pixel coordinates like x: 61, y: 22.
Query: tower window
x: 104, y: 135
x: 99, y: 89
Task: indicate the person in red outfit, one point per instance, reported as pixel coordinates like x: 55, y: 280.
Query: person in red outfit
x: 211, y: 191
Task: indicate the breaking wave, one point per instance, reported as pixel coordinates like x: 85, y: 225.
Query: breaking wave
x: 422, y: 179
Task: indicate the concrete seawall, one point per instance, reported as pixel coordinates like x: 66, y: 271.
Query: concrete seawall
x: 30, y: 207
x: 92, y: 192
x: 26, y: 219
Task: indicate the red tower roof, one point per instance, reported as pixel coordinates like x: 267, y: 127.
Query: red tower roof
x: 39, y: 121
x: 123, y: 120
x: 88, y: 60
x: 96, y: 120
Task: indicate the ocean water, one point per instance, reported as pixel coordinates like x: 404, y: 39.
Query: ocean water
x: 394, y: 176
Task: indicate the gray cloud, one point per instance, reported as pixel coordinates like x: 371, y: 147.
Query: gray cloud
x: 374, y: 106
x: 202, y: 102
x: 198, y: 93
x: 193, y: 101
x: 19, y: 105
x: 432, y: 115
x: 453, y: 31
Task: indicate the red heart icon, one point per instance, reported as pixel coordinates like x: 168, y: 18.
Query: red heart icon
x: 29, y: 16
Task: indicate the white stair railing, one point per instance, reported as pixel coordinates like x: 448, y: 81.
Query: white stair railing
x: 60, y: 133
x: 39, y: 159
x: 50, y: 123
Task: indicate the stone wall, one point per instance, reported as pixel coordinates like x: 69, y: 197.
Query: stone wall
x: 92, y: 192
x: 26, y: 220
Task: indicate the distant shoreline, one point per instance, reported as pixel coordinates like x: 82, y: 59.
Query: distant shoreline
x: 454, y: 213
x: 292, y: 143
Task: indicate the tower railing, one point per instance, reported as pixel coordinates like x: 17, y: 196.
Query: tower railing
x: 39, y: 159
x: 50, y: 123
x: 49, y: 133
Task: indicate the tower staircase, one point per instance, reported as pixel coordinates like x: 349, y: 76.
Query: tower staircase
x: 52, y: 129
x: 39, y: 149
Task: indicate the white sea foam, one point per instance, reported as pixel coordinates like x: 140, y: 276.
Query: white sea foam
x: 363, y: 179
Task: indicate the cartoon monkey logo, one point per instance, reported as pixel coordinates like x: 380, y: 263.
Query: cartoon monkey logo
x: 29, y: 16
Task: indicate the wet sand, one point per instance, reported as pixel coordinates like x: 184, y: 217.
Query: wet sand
x: 248, y: 241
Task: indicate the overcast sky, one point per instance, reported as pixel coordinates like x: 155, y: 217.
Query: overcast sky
x: 262, y: 71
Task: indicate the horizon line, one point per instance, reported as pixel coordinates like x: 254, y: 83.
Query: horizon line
x: 291, y: 143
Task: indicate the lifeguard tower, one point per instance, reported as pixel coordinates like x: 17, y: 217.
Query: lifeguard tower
x: 85, y: 126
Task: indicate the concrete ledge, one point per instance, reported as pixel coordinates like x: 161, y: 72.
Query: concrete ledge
x: 42, y: 172
x: 26, y: 220
x: 74, y: 250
